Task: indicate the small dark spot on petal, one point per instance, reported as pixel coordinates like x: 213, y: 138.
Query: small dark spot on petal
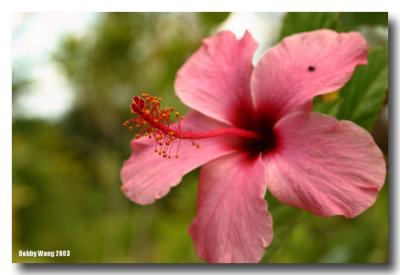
x: 311, y: 68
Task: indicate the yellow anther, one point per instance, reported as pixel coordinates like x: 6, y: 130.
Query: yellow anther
x: 171, y: 133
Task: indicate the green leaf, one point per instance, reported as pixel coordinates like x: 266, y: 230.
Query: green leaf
x: 362, y: 98
x: 364, y: 95
x: 351, y: 20
x: 295, y: 22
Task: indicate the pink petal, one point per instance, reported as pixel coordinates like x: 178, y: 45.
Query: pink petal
x: 325, y: 166
x: 216, y: 79
x: 303, y: 66
x: 232, y: 222
x: 146, y: 176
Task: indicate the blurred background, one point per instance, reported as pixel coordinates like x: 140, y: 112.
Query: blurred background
x: 73, y: 79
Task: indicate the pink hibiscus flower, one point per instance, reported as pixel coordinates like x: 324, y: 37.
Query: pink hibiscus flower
x: 253, y: 129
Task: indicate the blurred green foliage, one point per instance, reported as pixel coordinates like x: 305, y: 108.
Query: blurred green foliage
x: 66, y: 182
x: 362, y: 98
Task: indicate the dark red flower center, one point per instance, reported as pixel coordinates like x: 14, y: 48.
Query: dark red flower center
x: 265, y: 143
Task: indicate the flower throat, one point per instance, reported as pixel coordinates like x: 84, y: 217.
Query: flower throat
x: 158, y: 124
